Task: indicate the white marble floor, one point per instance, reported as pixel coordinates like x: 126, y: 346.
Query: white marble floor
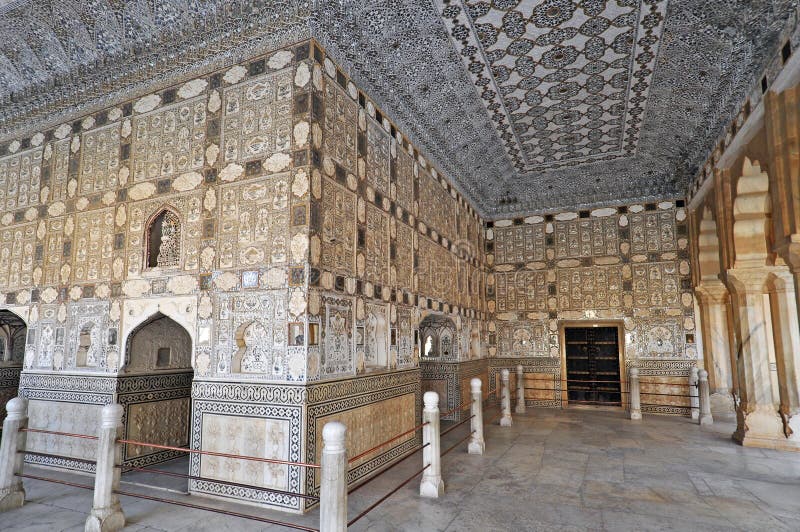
x: 552, y: 470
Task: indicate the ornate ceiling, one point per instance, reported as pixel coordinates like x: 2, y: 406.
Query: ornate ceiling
x: 527, y: 105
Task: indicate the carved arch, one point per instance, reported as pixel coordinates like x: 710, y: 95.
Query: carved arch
x: 752, y: 215
x: 163, y: 238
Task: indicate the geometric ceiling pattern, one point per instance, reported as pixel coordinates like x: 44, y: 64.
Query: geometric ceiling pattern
x: 564, y: 82
x: 527, y: 105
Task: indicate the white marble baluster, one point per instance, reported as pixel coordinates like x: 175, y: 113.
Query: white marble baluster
x: 634, y: 389
x: 432, y: 484
x: 694, y: 399
x: 476, y: 443
x: 333, y: 472
x: 505, y: 400
x: 12, y: 494
x: 520, y: 409
x: 106, y: 515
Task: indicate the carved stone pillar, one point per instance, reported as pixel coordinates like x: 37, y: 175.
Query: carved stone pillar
x: 713, y: 299
x: 757, y: 421
x: 786, y: 330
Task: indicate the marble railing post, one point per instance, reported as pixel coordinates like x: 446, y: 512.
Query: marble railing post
x: 505, y: 400
x: 106, y: 515
x: 705, y: 398
x: 333, y: 478
x: 432, y: 484
x: 694, y: 394
x: 636, y: 403
x: 476, y: 443
x: 520, y: 409
x: 12, y: 494
x: 758, y: 423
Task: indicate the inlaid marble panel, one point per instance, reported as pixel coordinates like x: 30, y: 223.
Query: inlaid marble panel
x: 436, y: 207
x: 597, y: 287
x: 404, y: 256
x: 100, y: 162
x: 169, y: 140
x: 165, y: 422
x: 257, y: 117
x: 60, y: 173
x: 17, y: 249
x: 246, y: 436
x: 337, y: 352
x: 338, y: 228
x: 341, y: 118
x: 94, y: 245
x: 523, y: 339
x: 377, y: 246
x: 54, y: 253
x: 253, y: 223
x: 587, y: 238
x: 519, y: 244
x: 652, y: 232
x: 521, y: 290
x: 20, y: 179
x: 404, y: 179
x: 378, y: 157
x: 656, y: 285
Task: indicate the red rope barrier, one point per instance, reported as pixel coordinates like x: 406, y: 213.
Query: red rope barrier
x: 456, y: 409
x: 128, y: 469
x: 370, y: 479
x: 42, y: 431
x: 216, y: 510
x: 459, y: 442
x: 55, y: 481
x: 456, y: 425
x: 395, y: 490
x: 368, y: 451
x: 223, y: 455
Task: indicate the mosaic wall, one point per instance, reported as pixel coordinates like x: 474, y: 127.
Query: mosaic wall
x: 627, y: 264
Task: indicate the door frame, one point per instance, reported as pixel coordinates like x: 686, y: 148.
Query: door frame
x: 623, y: 373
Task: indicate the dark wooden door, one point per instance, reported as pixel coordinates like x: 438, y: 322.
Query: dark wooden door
x: 592, y: 365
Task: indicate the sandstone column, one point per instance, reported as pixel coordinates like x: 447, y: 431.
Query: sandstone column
x: 757, y: 421
x: 786, y: 330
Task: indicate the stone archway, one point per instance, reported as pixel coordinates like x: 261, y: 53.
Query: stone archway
x: 155, y: 390
x: 13, y: 336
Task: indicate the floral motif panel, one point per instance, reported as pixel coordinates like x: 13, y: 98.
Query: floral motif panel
x: 170, y: 140
x: 257, y: 117
x: 253, y: 221
x: 20, y: 179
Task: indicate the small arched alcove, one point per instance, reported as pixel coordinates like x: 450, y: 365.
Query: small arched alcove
x: 437, y: 336
x: 13, y: 335
x: 155, y: 392
x: 163, y: 240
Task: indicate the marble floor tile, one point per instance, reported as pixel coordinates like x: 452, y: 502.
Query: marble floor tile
x: 552, y: 470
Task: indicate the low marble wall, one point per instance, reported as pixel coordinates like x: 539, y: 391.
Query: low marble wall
x: 65, y: 403
x: 249, y: 419
x: 374, y: 408
x: 451, y: 381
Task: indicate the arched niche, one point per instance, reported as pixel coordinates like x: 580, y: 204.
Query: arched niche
x: 13, y: 335
x: 438, y: 337
x: 752, y: 212
x: 163, y: 234
x: 376, y: 337
x: 254, y: 349
x: 158, y: 344
x: 708, y: 246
